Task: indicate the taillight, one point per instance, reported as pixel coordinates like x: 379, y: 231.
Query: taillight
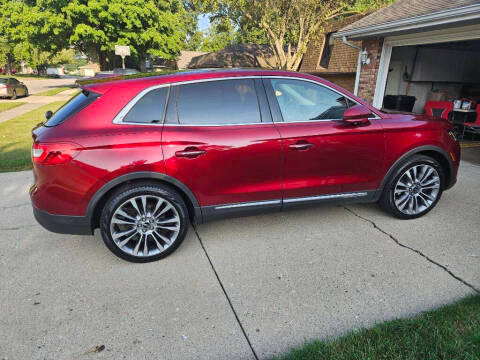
x: 54, y: 153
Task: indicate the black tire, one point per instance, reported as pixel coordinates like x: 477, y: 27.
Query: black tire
x: 14, y: 95
x: 26, y: 92
x: 387, y: 199
x: 121, y: 196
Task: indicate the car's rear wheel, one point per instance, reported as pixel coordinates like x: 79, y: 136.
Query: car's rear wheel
x: 144, y: 222
x: 414, y: 189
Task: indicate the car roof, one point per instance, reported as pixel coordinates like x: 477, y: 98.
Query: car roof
x: 180, y: 76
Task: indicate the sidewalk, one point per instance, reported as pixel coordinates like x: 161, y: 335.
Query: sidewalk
x: 34, y: 102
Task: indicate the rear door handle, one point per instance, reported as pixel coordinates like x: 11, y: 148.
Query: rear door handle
x: 190, y: 152
x: 301, y: 145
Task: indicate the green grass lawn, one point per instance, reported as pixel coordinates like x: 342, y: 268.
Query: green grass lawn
x: 450, y: 332
x: 28, y: 76
x: 52, y: 92
x: 16, y: 138
x: 10, y: 105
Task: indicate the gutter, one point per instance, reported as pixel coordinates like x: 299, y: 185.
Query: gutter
x: 359, y: 63
x: 443, y: 17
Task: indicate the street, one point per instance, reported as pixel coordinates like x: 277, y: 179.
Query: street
x: 236, y: 288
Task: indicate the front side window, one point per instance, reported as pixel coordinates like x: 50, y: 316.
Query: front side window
x: 218, y: 102
x: 306, y: 101
x: 149, y: 109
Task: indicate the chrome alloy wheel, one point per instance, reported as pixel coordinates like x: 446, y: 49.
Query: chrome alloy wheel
x: 417, y: 189
x: 145, y: 225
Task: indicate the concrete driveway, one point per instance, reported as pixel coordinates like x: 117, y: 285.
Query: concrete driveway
x: 236, y: 289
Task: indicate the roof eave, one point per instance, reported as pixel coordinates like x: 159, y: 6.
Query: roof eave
x: 415, y: 24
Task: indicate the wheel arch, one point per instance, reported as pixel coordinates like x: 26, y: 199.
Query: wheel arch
x: 97, y: 201
x: 432, y: 151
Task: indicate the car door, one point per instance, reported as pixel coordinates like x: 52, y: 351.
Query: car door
x: 15, y: 84
x: 220, y: 141
x: 323, y: 155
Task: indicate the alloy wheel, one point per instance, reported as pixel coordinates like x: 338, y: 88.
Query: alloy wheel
x: 145, y: 225
x: 417, y: 189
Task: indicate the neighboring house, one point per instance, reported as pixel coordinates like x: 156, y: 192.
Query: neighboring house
x: 241, y: 55
x: 182, y: 62
x: 427, y: 49
x: 89, y: 69
x: 186, y: 57
x: 330, y: 58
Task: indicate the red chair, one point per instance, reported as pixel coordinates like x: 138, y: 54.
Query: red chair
x: 439, y: 109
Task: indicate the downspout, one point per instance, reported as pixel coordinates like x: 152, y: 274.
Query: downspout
x: 359, y: 61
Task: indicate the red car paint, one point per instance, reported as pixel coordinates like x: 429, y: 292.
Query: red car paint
x: 240, y: 164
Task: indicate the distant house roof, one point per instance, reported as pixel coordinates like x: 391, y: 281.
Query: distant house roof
x: 412, y: 16
x: 185, y: 57
x: 241, y: 55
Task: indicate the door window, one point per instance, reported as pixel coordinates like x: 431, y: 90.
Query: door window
x: 149, y: 109
x: 306, y: 101
x: 218, y: 102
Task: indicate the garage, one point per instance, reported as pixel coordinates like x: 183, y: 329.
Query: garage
x: 423, y: 58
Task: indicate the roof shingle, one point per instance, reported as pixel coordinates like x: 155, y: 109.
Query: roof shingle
x: 404, y: 9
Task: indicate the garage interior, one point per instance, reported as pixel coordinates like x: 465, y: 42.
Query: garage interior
x: 441, y: 79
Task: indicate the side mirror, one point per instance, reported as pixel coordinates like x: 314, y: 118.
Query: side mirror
x: 48, y: 114
x: 357, y: 115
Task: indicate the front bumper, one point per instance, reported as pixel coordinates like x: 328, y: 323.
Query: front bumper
x: 63, y: 224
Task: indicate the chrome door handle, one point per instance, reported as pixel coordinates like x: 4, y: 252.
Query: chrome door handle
x: 190, y: 152
x: 301, y: 145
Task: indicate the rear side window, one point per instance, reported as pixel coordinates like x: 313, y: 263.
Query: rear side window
x: 73, y: 106
x: 218, y: 103
x: 149, y: 109
x: 3, y: 81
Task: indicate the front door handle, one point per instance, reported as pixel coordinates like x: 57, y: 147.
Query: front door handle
x: 301, y: 145
x: 190, y: 152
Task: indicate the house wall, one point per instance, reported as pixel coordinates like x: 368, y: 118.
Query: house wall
x: 368, y: 73
x: 343, y: 59
x: 346, y: 81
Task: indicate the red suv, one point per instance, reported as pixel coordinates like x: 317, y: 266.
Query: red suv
x: 141, y: 158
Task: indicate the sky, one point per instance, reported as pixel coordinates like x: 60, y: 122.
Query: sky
x: 203, y: 21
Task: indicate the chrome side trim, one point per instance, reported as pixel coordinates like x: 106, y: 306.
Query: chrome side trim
x: 256, y: 203
x: 326, y: 197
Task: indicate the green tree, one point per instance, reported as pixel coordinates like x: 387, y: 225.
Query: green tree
x: 149, y: 27
x: 219, y: 35
x: 287, y: 25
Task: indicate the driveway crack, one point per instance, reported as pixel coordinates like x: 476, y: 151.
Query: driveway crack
x: 426, y: 257
x: 225, y: 293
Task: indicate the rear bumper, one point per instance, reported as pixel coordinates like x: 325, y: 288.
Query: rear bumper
x: 63, y: 224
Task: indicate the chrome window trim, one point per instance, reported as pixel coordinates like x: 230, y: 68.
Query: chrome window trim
x: 119, y: 117
x: 376, y: 117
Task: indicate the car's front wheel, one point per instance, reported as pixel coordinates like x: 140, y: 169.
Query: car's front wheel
x: 144, y: 222
x: 414, y: 189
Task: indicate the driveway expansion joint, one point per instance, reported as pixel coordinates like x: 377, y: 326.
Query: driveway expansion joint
x: 225, y: 293
x: 426, y: 257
